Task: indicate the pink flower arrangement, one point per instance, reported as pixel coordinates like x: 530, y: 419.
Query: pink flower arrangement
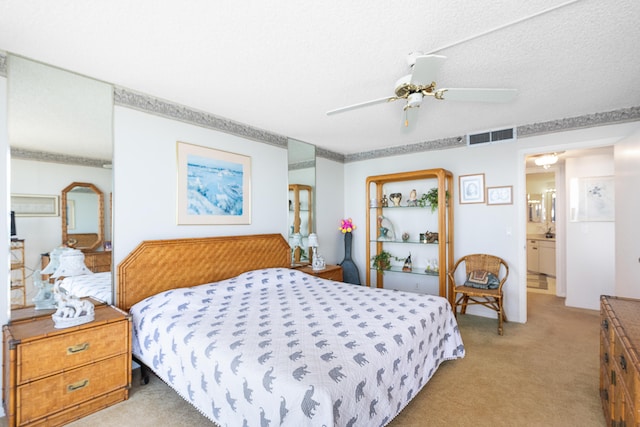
x: 346, y: 225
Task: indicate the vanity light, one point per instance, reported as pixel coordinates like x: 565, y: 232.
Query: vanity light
x: 546, y: 160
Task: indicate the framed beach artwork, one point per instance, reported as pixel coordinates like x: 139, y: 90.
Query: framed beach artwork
x: 591, y: 199
x: 471, y: 188
x: 214, y: 186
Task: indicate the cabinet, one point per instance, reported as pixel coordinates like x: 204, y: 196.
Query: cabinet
x: 541, y: 256
x: 54, y: 376
x: 18, y: 284
x: 428, y: 259
x: 300, y: 221
x: 331, y: 272
x: 619, y: 360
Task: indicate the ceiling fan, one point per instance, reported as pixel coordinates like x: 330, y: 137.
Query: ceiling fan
x: 421, y: 83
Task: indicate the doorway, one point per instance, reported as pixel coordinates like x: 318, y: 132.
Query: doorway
x: 541, y: 229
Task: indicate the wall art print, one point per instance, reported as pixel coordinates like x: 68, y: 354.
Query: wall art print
x: 214, y: 186
x: 592, y: 199
x: 471, y: 188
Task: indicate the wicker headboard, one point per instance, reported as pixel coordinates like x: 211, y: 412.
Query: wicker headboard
x: 159, y: 265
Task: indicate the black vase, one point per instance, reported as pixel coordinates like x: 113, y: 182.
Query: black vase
x: 350, y: 272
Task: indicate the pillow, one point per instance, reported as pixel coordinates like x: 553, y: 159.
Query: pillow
x: 482, y: 280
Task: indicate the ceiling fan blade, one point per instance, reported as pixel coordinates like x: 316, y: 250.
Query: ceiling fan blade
x: 426, y: 69
x: 477, y: 94
x: 362, y: 104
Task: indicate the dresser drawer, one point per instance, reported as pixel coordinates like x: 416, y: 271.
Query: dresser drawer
x: 70, y: 350
x: 623, y: 362
x: 58, y: 392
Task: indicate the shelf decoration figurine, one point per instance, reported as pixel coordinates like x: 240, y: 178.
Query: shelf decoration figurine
x: 385, y: 229
x: 395, y: 198
x: 350, y: 273
x: 385, y: 201
x: 407, y: 264
x: 432, y: 266
x: 44, y: 298
x: 413, y: 198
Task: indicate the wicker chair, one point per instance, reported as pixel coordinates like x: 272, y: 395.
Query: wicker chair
x: 467, y: 295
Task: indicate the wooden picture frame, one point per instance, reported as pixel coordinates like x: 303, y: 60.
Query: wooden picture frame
x: 500, y: 195
x: 214, y: 186
x: 35, y: 205
x: 471, y: 188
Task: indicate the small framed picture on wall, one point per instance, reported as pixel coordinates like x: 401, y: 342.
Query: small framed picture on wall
x: 471, y: 188
x: 500, y: 195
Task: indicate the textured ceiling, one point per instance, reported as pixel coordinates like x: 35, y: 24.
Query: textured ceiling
x: 280, y: 66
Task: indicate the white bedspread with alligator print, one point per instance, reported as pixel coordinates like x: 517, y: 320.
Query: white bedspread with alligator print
x: 280, y: 347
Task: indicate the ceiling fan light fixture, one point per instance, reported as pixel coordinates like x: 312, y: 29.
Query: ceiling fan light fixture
x: 546, y: 160
x: 414, y: 100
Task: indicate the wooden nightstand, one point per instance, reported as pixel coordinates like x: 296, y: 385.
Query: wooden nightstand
x: 54, y: 376
x: 331, y: 272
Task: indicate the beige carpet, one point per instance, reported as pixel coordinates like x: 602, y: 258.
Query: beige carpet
x: 542, y: 373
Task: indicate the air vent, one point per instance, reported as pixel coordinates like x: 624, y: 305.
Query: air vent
x: 492, y: 136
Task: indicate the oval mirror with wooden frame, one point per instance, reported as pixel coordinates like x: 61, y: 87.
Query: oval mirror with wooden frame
x: 82, y: 210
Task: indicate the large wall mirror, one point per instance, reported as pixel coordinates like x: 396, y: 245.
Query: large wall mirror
x: 302, y: 212
x: 60, y: 128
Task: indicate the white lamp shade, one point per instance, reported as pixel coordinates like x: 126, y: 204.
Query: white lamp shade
x: 54, y: 260
x: 296, y: 240
x: 313, y: 240
x: 71, y: 264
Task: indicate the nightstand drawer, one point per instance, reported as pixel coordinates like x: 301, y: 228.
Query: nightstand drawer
x: 331, y: 272
x: 58, y: 392
x: 70, y: 350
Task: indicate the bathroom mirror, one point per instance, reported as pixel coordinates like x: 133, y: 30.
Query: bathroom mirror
x: 534, y: 207
x: 82, y: 210
x: 302, y: 182
x: 541, y: 198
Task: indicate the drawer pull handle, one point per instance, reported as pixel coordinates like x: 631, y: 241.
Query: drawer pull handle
x: 606, y: 358
x: 623, y: 363
x: 78, y: 385
x: 78, y: 348
x: 605, y: 324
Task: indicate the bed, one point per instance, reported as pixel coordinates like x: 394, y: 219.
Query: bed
x: 97, y: 285
x: 248, y: 341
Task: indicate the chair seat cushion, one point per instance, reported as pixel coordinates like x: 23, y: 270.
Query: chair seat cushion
x: 482, y: 280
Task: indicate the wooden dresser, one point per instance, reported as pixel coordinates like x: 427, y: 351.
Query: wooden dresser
x: 619, y: 360
x: 54, y: 376
x: 331, y: 272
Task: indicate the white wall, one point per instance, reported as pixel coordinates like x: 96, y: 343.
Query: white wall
x: 590, y: 245
x: 478, y: 227
x: 144, y: 167
x: 627, y: 164
x: 499, y: 230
